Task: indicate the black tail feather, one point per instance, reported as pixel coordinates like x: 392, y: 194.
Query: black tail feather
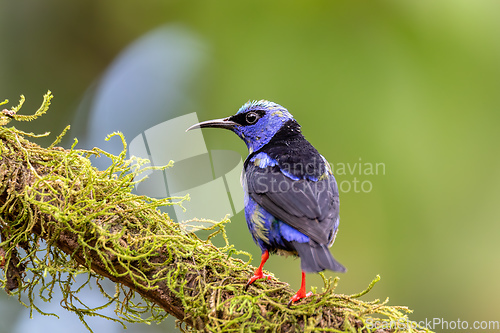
x: 316, y: 258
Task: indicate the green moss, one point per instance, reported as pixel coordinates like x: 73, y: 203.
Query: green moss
x: 71, y: 219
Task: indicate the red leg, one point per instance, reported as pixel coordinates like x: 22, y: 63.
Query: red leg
x: 258, y: 272
x: 301, y: 293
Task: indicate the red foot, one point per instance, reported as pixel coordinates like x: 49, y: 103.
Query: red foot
x: 301, y: 293
x: 258, y: 272
x: 257, y: 276
x: 298, y: 296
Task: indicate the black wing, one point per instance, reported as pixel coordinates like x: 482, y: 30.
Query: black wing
x: 311, y: 207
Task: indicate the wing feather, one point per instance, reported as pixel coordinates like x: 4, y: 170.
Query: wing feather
x: 311, y: 207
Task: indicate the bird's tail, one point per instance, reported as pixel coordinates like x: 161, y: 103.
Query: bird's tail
x: 316, y: 258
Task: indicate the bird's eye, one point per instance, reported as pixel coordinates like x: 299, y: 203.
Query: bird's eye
x: 252, y: 117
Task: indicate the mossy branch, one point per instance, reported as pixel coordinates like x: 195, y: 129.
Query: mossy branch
x: 61, y: 217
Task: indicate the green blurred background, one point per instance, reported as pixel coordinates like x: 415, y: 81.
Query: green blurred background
x: 411, y: 84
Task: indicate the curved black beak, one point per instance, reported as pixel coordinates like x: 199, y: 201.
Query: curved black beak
x: 216, y: 123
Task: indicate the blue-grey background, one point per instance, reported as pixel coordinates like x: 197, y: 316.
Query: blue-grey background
x: 411, y: 84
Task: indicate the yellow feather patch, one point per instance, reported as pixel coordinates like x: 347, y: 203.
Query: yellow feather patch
x: 323, y: 176
x: 259, y: 224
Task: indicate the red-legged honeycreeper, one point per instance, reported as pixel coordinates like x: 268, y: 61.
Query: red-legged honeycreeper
x: 291, y: 196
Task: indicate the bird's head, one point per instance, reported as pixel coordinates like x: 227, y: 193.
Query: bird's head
x: 255, y: 122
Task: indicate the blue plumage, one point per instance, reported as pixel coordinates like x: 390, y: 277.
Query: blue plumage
x: 269, y: 232
x: 291, y: 196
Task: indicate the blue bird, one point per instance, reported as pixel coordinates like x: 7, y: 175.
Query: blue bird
x: 291, y: 196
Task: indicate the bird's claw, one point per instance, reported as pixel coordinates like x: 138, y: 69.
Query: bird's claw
x: 298, y: 296
x: 256, y: 277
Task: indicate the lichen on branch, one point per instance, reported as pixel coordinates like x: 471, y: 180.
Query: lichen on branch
x: 61, y: 217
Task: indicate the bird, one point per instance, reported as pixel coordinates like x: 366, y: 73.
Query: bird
x: 291, y: 198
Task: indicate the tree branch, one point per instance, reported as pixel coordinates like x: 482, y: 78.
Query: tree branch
x: 69, y: 218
